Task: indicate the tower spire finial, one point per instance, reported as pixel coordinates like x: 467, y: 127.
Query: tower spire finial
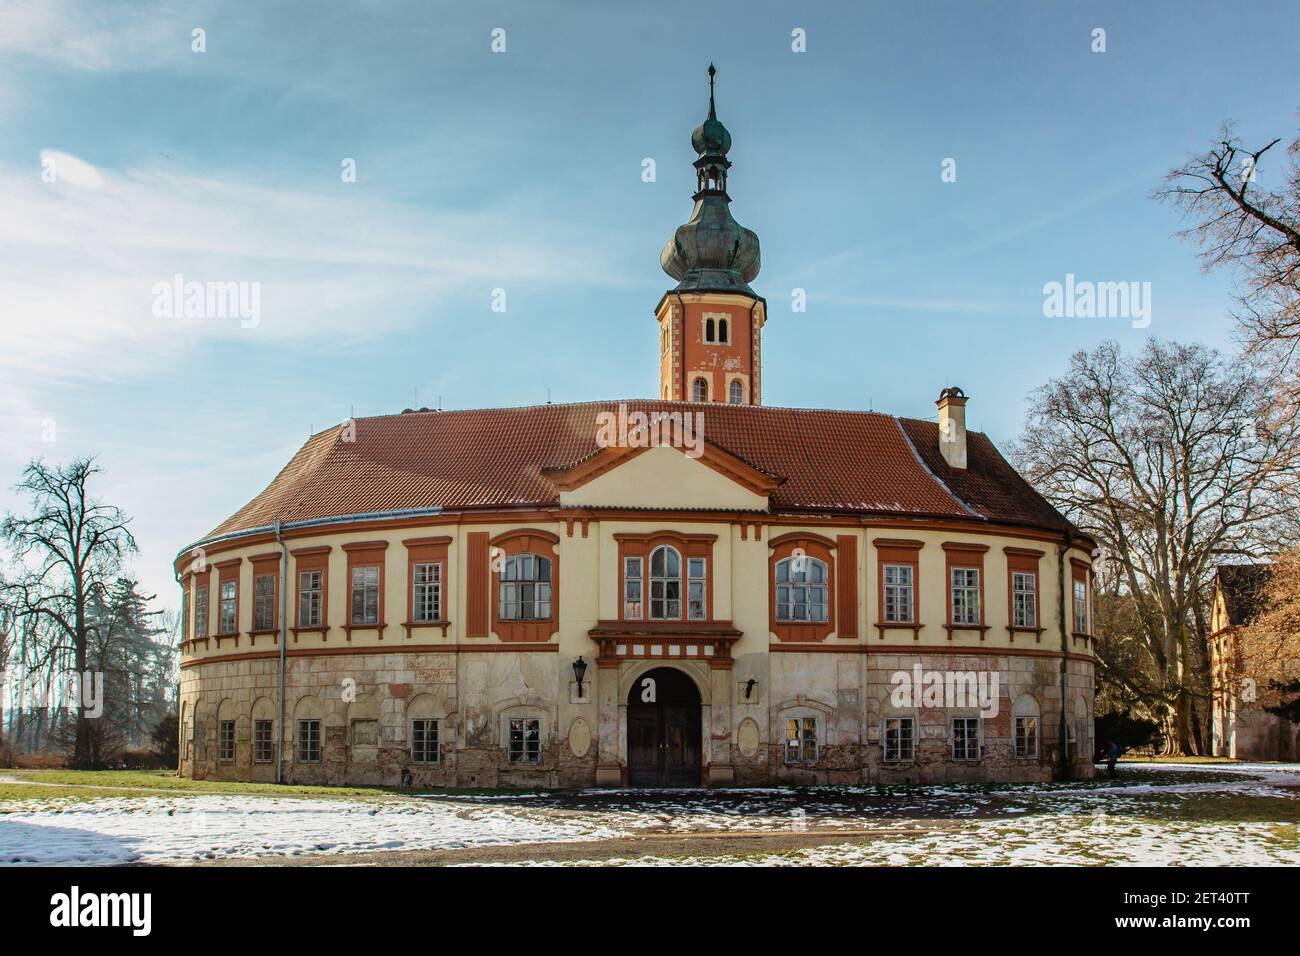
x: 713, y: 113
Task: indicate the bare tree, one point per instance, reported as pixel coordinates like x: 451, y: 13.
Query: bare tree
x: 1256, y: 232
x: 1170, y: 459
x: 67, y: 549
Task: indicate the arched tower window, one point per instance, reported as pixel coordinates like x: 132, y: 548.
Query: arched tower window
x: 722, y: 332
x: 709, y: 331
x: 736, y: 392
x: 700, y: 390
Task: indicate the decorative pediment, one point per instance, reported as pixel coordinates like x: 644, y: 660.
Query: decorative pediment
x: 664, y: 476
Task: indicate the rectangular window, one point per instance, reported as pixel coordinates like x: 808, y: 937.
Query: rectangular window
x: 309, y: 598
x: 966, y: 596
x: 308, y: 741
x: 226, y: 741
x: 1026, y: 736
x: 525, y: 588
x: 965, y: 738
x: 1024, y: 599
x: 226, y: 623
x: 262, y: 752
x: 264, y: 602
x: 900, y: 739
x: 427, y: 597
x: 632, y: 585
x: 801, y: 740
x: 365, y: 733
x: 696, y: 601
x: 365, y: 595
x: 424, y: 741
x: 898, y: 594
x: 185, y: 615
x: 1080, y: 606
x: 525, y: 740
x: 201, y: 612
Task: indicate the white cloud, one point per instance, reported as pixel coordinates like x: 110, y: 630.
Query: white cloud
x: 89, y: 36
x: 58, y: 167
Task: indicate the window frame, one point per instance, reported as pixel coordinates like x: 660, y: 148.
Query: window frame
x: 815, y: 547
x: 966, y: 722
x: 541, y: 544
x: 898, y: 552
x: 689, y: 547
x: 306, y: 561
x: 313, y: 737
x: 364, y: 557
x: 900, y: 758
x: 634, y: 577
x: 529, y: 751
x: 517, y: 585
x: 665, y: 579
x: 1030, y: 752
x: 699, y: 380
x: 808, y: 585
x: 965, y: 556
x: 201, y: 611
x: 1079, y: 580
x: 799, y: 724
x: 259, y: 740
x: 736, y: 392
x: 264, y: 601
x: 426, y: 746
x: 226, y: 741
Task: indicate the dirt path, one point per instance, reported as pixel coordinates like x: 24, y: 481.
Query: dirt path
x: 630, y: 847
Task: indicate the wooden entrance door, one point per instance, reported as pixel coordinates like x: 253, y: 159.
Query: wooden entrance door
x: 663, y: 732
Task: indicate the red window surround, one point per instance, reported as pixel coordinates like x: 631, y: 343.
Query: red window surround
x: 427, y: 551
x: 1024, y: 560
x: 365, y: 554
x: 901, y: 551
x: 814, y: 546
x: 525, y: 541
x: 227, y: 571
x: 688, y: 546
x: 960, y: 554
x: 263, y: 564
x: 311, y: 559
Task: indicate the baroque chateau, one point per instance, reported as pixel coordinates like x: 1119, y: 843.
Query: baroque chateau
x: 690, y: 590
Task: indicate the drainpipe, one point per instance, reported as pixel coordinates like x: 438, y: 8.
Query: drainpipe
x: 284, y: 637
x: 1063, y: 730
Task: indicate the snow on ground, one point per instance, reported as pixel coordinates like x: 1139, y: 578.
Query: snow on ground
x: 162, y: 829
x: 1200, y: 822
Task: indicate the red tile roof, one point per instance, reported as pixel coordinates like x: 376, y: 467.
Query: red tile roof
x: 832, y: 461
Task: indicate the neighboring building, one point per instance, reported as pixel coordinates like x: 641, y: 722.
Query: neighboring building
x: 524, y: 597
x: 1239, y: 727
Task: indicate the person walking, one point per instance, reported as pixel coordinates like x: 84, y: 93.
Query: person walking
x: 1112, y: 754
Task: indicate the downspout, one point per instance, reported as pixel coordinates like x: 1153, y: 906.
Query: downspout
x: 1063, y: 735
x: 753, y: 365
x: 682, y: 339
x: 284, y: 637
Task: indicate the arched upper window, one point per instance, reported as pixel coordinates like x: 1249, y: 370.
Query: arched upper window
x: 526, y: 588
x: 722, y: 331
x: 736, y: 392
x: 700, y: 390
x: 801, y: 589
x: 665, y: 584
x: 709, y: 331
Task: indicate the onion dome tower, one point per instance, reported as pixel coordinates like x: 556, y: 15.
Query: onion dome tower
x: 710, y: 322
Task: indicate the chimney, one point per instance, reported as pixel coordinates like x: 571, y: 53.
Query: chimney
x: 952, y: 426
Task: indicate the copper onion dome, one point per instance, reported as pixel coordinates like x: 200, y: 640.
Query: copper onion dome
x: 712, y: 252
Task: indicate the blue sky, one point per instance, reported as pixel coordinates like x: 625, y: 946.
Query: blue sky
x: 522, y: 171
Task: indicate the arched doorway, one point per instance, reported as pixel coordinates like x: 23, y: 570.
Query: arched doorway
x: 663, y: 730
